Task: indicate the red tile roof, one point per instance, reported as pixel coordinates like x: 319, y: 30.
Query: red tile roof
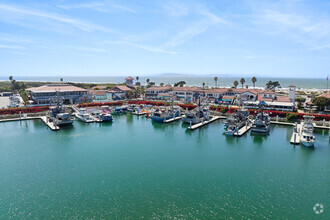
x: 57, y: 87
x: 129, y: 78
x: 327, y: 95
x: 154, y: 88
x: 195, y: 89
x: 123, y: 88
x: 217, y: 90
x: 98, y: 92
x: 283, y: 99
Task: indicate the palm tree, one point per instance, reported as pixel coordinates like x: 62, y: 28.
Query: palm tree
x: 137, y: 79
x: 242, y: 81
x: 235, y: 83
x: 61, y: 79
x: 216, y: 81
x: 161, y: 84
x: 11, y: 78
x: 142, y: 91
x: 148, y: 80
x: 203, y: 85
x: 254, y: 80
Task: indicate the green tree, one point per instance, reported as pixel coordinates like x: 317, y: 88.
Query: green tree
x: 23, y: 93
x: 321, y: 102
x: 181, y: 84
x: 246, y: 86
x: 254, y: 80
x: 138, y: 84
x: 292, y: 116
x: 273, y: 85
x: 203, y: 85
x: 148, y: 80
x: 61, y: 79
x: 137, y: 79
x: 242, y: 81
x: 130, y: 94
x: 300, y: 100
x: 142, y: 92
x: 11, y: 78
x: 216, y: 81
x: 161, y: 84
x: 235, y: 83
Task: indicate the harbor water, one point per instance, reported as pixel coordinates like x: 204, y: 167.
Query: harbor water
x: 134, y: 168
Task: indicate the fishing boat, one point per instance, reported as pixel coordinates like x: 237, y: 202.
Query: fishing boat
x: 305, y: 131
x: 262, y: 121
x: 163, y: 114
x: 236, y: 121
x: 100, y: 115
x: 57, y: 113
x: 197, y: 115
x: 84, y: 116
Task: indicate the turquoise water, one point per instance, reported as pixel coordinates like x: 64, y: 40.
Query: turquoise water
x: 133, y: 168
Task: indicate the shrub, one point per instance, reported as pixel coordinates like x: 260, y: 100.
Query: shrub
x: 292, y: 116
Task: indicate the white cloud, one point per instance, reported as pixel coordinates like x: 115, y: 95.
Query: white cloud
x: 144, y: 47
x: 5, y: 46
x: 98, y: 6
x: 209, y: 19
x: 23, y: 13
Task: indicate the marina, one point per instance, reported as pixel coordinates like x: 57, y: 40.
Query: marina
x: 97, y: 164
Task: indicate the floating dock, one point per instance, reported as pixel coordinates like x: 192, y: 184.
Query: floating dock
x: 173, y: 119
x: 43, y: 118
x: 295, y: 138
x: 243, y: 130
x: 51, y: 125
x: 195, y: 126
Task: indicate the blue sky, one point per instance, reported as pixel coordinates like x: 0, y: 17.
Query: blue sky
x: 135, y: 37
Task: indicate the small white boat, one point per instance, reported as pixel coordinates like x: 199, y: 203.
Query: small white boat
x: 306, y: 131
x: 84, y: 116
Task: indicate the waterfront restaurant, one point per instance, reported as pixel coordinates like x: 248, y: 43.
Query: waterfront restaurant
x: 153, y: 92
x: 186, y: 93
x: 45, y: 95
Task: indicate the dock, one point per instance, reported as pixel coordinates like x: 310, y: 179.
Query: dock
x: 243, y: 130
x: 195, y: 126
x: 295, y: 138
x: 43, y: 118
x: 51, y: 125
x: 172, y: 119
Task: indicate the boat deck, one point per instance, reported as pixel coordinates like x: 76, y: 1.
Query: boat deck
x: 195, y: 126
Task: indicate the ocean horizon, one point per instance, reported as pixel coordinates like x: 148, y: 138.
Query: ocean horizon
x: 223, y: 81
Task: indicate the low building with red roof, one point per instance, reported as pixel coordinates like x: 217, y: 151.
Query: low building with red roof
x: 46, y: 94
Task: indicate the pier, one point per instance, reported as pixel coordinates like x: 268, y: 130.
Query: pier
x: 243, y: 130
x: 214, y: 118
x: 295, y: 138
x: 43, y: 118
x: 51, y: 125
x: 172, y: 119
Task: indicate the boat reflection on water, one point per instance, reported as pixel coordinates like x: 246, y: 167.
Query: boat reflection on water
x: 259, y: 138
